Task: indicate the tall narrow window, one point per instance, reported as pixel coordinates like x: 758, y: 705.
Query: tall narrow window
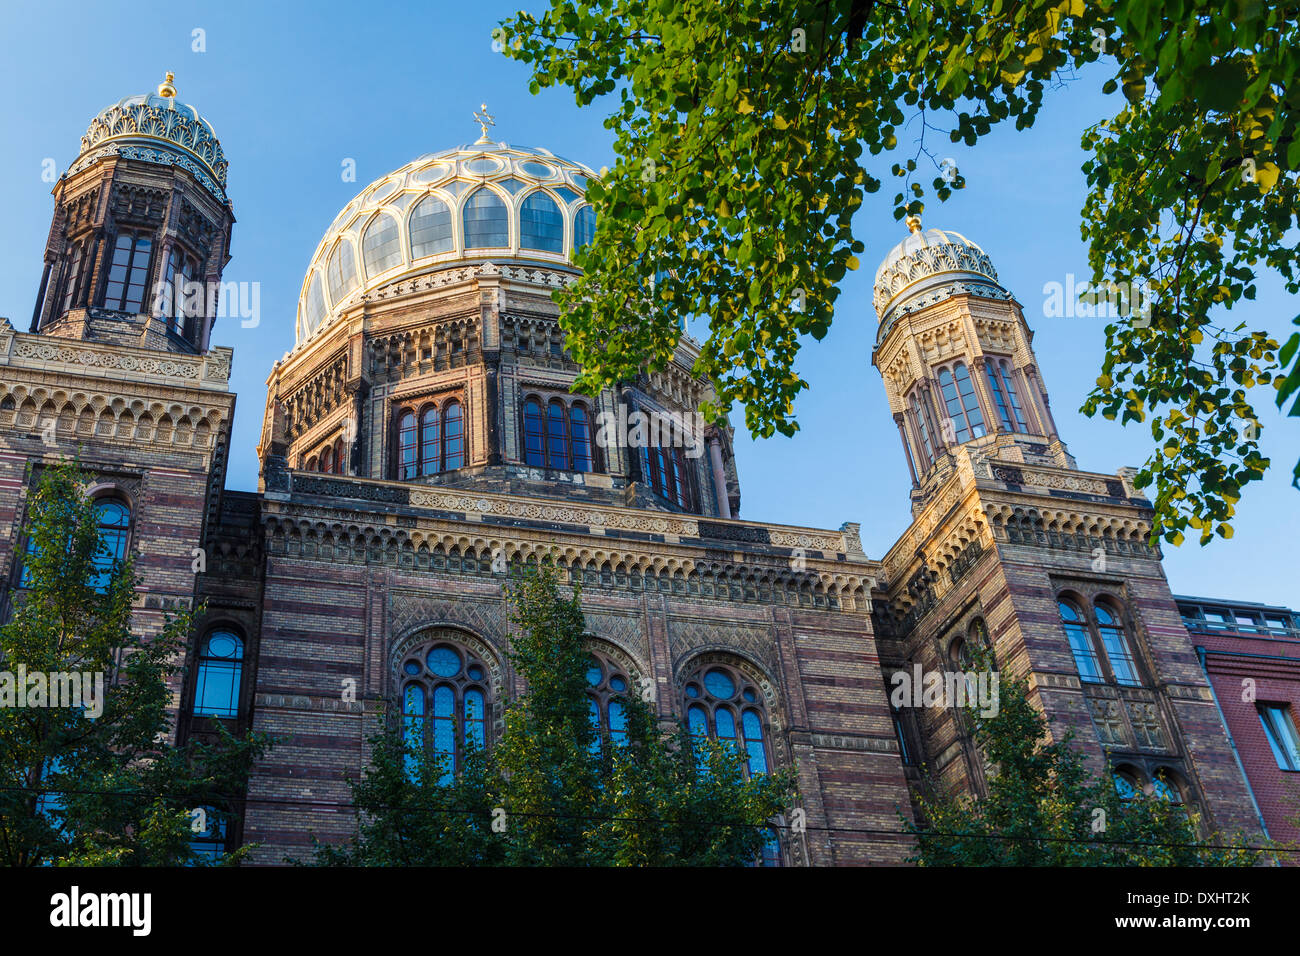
x: 413, y: 727
x: 339, y: 468
x: 326, y: 460
x: 485, y: 220
x: 342, y: 271
x: 221, y: 664
x: 315, y: 310
x: 209, y: 843
x: 430, y: 441
x: 541, y: 226
x: 128, y: 271
x: 961, y: 402
x: 113, y: 520
x: 1007, y: 375
x: 407, y: 462
x: 534, y: 435
x: 1116, y: 646
x: 584, y: 227
x: 995, y: 386
x: 1081, y: 646
x: 444, y: 732
x: 557, y: 439
x: 72, y: 278
x: 1280, y: 729
x: 381, y: 248
x: 453, y: 437
x: 580, y: 433
x: 679, y: 477
x: 430, y: 228
x: 918, y: 416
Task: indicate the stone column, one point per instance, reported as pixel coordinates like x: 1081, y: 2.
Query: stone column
x: 719, y: 476
x: 907, y: 449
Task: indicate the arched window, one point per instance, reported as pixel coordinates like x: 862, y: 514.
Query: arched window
x: 208, y: 843
x: 681, y: 480
x: 557, y: 437
x: 1166, y: 785
x: 961, y: 402
x: 113, y: 521
x: 408, y: 465
x: 1127, y: 784
x: 430, y: 228
x: 128, y: 271
x: 179, y: 301
x: 72, y: 276
x: 723, y: 703
x: 580, y: 436
x: 430, y: 441
x: 485, y: 220
x: 1113, y: 640
x: 445, y: 696
x: 381, y: 248
x: 315, y: 304
x: 541, y: 226
x: 312, y: 464
x: 1081, y: 646
x: 534, y: 435
x: 584, y: 227
x: 922, y: 428
x: 339, y: 467
x: 327, y: 460
x: 770, y: 854
x: 608, y: 685
x: 453, y: 437
x: 342, y: 271
x: 995, y: 386
x: 221, y: 665
x: 1007, y: 375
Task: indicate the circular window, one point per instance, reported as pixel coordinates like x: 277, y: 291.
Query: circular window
x: 475, y: 672
x: 382, y: 191
x: 692, y: 690
x: 617, y: 683
x: 412, y: 668
x: 444, y: 662
x: 749, y: 695
x: 221, y: 644
x: 719, y: 684
x: 540, y: 170
x: 594, y: 675
x: 431, y: 174
x: 482, y: 166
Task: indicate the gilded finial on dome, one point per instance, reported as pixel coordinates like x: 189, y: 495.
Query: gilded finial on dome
x: 913, y: 223
x: 484, y: 120
x: 166, y: 87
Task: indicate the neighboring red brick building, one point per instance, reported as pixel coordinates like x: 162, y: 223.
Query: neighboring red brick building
x: 1251, y: 655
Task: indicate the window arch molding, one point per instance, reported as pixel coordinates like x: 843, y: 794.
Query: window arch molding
x: 425, y: 635
x: 751, y: 673
x: 428, y: 435
x: 960, y: 401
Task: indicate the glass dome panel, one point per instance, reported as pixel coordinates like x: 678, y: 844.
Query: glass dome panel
x: 486, y: 221
x: 380, y: 248
x: 431, y: 228
x: 541, y: 226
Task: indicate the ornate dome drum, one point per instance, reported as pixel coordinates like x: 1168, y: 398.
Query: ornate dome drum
x: 471, y: 203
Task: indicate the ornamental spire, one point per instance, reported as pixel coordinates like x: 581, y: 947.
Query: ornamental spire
x: 166, y: 88
x: 484, y: 120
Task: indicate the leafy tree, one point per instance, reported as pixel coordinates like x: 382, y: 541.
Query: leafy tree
x: 77, y: 786
x: 747, y: 133
x: 1045, y: 808
x: 552, y: 792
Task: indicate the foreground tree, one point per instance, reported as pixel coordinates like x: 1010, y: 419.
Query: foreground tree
x: 745, y: 131
x: 553, y: 791
x: 1045, y: 808
x: 91, y: 781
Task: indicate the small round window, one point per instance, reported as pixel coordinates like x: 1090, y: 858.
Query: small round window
x: 444, y: 662
x: 719, y: 684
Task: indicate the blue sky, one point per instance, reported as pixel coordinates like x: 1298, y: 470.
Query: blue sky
x: 295, y: 89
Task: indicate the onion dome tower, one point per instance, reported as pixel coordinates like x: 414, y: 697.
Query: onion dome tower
x: 141, y: 230
x: 428, y: 349
x: 954, y: 350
